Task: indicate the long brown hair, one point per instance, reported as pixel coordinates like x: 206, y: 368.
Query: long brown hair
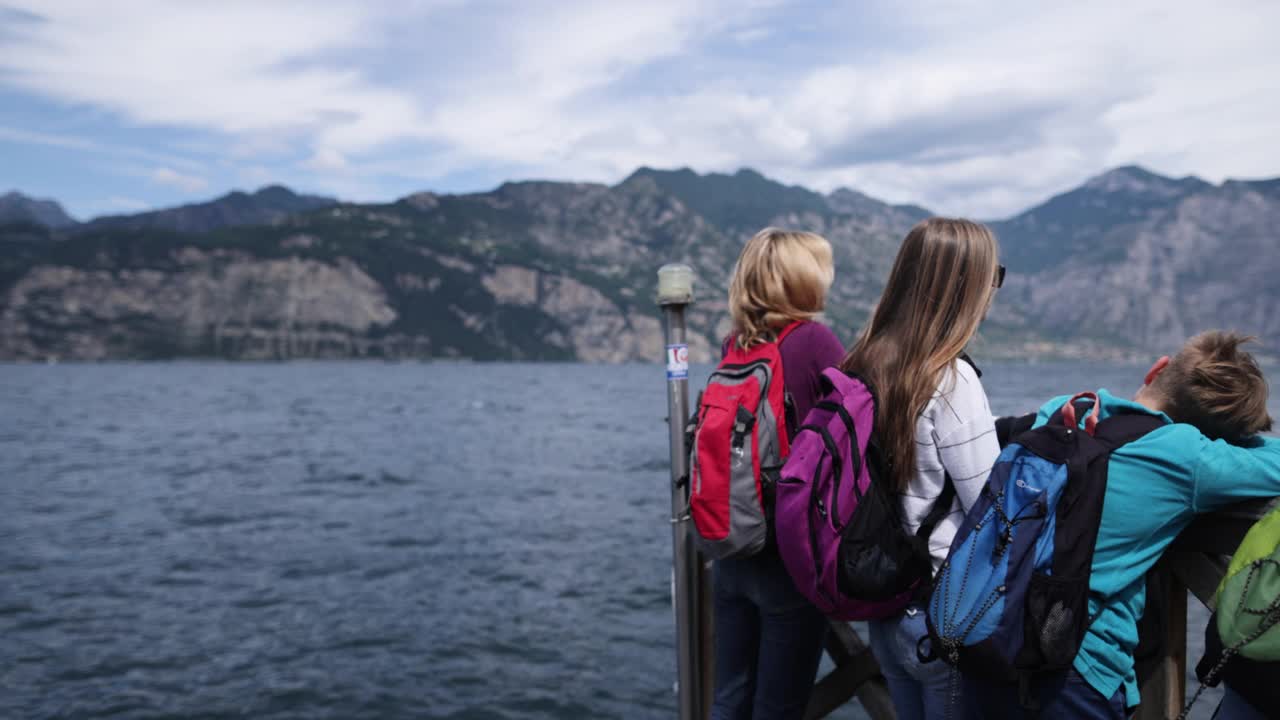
x: 938, y: 292
x: 781, y: 276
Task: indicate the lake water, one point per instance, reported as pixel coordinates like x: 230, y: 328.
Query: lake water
x: 350, y: 540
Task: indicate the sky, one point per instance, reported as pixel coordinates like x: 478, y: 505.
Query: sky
x: 979, y: 109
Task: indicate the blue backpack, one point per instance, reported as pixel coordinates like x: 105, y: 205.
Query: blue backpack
x: 1011, y: 601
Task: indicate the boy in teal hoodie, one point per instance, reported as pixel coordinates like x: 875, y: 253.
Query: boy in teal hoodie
x: 1213, y: 397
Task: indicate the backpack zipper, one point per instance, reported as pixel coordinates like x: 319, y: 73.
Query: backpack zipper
x: 813, y: 531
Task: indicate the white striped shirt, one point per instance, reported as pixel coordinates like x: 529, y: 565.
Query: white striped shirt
x: 955, y: 434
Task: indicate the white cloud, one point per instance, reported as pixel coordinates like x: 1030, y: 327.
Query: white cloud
x: 88, y: 145
x: 234, y: 67
x: 126, y: 204
x: 985, y: 113
x: 751, y: 36
x: 173, y: 178
x: 976, y: 110
x: 326, y: 159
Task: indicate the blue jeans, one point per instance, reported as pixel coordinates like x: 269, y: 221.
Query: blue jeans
x: 920, y: 691
x: 1067, y: 696
x: 1235, y: 707
x: 768, y: 641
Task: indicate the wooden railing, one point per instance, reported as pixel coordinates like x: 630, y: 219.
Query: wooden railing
x: 1195, y: 562
x: 856, y: 674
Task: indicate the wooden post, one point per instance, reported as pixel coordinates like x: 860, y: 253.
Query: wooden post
x: 1200, y: 574
x: 1164, y: 691
x: 856, y: 674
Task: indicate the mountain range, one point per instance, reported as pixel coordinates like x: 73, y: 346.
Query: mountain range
x: 268, y: 205
x: 18, y: 208
x: 1126, y: 265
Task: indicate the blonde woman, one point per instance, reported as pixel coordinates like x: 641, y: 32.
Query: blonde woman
x: 768, y: 637
x: 932, y: 420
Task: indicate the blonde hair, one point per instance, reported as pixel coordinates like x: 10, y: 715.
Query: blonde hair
x: 938, y: 292
x: 781, y: 276
x: 1214, y: 385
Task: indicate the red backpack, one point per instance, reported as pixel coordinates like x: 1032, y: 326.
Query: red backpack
x: 740, y: 442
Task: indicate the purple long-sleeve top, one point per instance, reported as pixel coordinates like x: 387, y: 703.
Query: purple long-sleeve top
x: 806, y: 352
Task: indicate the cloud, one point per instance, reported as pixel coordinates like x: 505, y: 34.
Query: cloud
x: 965, y: 109
x: 256, y: 175
x: 173, y: 178
x: 127, y: 204
x: 89, y: 145
x: 233, y: 67
x: 326, y: 159
x: 267, y: 77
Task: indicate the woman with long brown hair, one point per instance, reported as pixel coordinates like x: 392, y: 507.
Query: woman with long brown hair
x: 933, y: 423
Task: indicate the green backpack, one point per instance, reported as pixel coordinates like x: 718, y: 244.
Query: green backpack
x: 1249, y: 602
x: 1249, y: 595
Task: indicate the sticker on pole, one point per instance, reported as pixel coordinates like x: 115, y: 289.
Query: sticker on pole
x: 677, y: 362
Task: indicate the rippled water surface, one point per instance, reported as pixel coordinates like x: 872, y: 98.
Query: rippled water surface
x: 348, y: 540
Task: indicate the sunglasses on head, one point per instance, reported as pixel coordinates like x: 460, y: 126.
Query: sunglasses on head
x: 999, y: 283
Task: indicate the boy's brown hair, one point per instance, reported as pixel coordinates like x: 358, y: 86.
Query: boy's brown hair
x: 1214, y: 385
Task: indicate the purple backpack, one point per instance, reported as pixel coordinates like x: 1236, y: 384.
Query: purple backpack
x: 838, y: 525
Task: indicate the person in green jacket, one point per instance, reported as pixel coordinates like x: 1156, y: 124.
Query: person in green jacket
x: 1213, y: 398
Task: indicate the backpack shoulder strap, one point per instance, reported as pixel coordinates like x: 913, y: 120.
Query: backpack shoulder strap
x: 1124, y: 428
x: 730, y: 341
x: 1010, y: 427
x: 791, y: 420
x: 836, y: 379
x: 784, y: 332
x: 941, y: 507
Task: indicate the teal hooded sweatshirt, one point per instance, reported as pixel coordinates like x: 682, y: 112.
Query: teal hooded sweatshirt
x: 1155, y: 487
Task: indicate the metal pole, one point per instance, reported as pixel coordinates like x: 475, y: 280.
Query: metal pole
x: 675, y: 292
x: 707, y: 647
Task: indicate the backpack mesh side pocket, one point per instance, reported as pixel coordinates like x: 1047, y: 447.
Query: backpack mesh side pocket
x: 1057, y: 614
x: 876, y: 559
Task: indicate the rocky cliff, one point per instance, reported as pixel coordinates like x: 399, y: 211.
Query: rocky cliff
x: 1128, y: 263
x: 1144, y: 261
